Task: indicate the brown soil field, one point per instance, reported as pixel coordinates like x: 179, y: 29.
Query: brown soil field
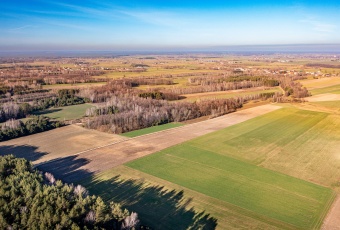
x: 75, y: 167
x: 57, y: 143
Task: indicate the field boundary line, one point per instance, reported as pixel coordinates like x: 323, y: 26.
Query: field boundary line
x: 320, y: 223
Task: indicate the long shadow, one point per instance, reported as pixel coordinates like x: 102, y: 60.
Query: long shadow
x: 28, y: 152
x: 156, y: 206
x: 43, y: 112
x: 67, y: 169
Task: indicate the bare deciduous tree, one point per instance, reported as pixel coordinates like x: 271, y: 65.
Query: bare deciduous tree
x: 80, y: 191
x: 130, y: 221
x: 90, y: 217
x: 49, y: 177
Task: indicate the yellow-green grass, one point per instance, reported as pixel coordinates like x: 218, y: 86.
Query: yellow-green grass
x: 66, y: 113
x: 227, y: 94
x: 271, y: 195
x: 330, y: 89
x: 300, y: 143
x: 179, y: 82
x: 72, y: 86
x: 320, y: 83
x: 328, y: 104
x: 153, y: 71
x: 152, y: 129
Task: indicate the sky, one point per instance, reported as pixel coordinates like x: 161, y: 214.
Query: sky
x: 172, y: 24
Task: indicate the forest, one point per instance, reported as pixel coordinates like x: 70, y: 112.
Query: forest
x: 30, y: 199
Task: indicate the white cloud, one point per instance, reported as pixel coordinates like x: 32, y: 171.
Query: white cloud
x: 20, y: 28
x: 320, y: 26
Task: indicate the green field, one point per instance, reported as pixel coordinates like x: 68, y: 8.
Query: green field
x: 331, y: 89
x: 227, y: 94
x: 65, y: 113
x: 271, y: 194
x: 299, y: 143
x: 151, y: 129
x: 335, y: 105
x: 165, y: 205
x: 72, y: 86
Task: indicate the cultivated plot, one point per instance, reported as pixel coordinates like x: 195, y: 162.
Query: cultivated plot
x: 165, y: 205
x: 270, y: 194
x: 300, y: 143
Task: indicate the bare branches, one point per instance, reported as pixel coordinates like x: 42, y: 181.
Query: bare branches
x: 130, y: 221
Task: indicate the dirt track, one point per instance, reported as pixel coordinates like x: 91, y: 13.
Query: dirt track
x: 332, y: 221
x: 85, y: 163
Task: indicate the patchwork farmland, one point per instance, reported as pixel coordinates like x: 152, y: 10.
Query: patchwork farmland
x: 269, y: 159
x: 244, y: 175
x: 246, y: 166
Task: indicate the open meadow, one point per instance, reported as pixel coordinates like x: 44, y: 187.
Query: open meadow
x: 229, y: 94
x: 152, y: 129
x: 65, y: 113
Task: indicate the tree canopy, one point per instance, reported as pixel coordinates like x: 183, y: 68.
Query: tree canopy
x: 30, y: 199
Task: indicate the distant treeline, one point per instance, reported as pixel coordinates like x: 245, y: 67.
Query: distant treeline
x: 126, y: 113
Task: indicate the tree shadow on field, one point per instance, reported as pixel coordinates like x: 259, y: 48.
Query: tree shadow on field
x: 156, y: 206
x: 47, y: 111
x: 28, y: 152
x: 67, y: 169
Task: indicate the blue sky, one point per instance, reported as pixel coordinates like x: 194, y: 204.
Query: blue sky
x: 129, y: 25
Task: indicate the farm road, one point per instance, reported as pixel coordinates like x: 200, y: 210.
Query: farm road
x: 101, y: 158
x: 332, y: 221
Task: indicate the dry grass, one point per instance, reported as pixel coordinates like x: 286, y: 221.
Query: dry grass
x: 229, y: 94
x: 73, y: 86
x: 320, y: 83
x: 57, y: 143
x: 323, y: 97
